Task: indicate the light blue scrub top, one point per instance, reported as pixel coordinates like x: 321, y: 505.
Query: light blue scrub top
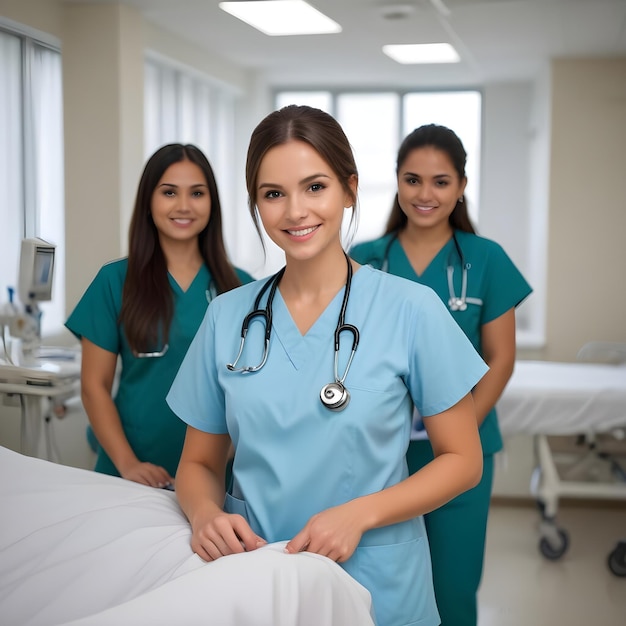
x: 494, y: 285
x: 155, y: 434
x: 294, y: 457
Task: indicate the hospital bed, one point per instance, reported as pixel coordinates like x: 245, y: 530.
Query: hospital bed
x: 84, y: 549
x: 576, y: 414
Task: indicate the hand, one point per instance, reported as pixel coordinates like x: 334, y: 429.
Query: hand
x: 222, y: 534
x: 147, y: 474
x: 334, y: 533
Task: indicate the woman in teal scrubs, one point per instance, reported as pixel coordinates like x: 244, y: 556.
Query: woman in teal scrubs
x: 146, y: 308
x: 321, y: 438
x: 430, y: 240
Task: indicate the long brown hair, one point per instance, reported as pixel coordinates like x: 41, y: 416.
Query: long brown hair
x: 147, y: 301
x: 446, y: 140
x: 303, y: 123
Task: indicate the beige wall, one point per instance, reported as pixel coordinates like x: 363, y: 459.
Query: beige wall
x: 586, y: 295
x: 103, y: 104
x: 43, y: 15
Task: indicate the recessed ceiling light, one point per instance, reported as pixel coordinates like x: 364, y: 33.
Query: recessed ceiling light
x: 282, y: 17
x: 422, y: 53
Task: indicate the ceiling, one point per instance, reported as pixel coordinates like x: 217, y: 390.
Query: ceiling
x: 498, y: 40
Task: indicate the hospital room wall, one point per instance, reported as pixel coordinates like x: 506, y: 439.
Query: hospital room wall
x: 586, y: 298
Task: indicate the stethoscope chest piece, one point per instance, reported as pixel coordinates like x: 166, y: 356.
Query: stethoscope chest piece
x: 457, y: 304
x: 335, y: 396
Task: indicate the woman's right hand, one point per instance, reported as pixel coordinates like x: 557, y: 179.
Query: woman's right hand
x: 221, y: 534
x: 147, y: 474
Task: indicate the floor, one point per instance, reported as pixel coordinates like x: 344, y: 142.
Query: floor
x: 522, y: 588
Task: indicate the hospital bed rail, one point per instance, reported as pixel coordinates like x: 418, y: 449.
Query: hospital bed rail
x: 576, y: 415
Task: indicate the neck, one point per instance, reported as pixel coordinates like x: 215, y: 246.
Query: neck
x: 326, y: 273
x: 182, y: 254
x: 426, y: 237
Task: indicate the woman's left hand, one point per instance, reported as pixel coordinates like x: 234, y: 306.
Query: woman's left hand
x: 334, y: 533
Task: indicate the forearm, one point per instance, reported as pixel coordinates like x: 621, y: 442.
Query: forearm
x: 447, y: 476
x: 200, y: 491
x: 107, y: 426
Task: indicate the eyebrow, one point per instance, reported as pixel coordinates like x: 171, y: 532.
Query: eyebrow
x: 192, y: 186
x: 436, y: 176
x: 304, y: 181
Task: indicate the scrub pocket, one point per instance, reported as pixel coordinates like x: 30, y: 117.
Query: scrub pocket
x: 235, y: 505
x: 399, y: 577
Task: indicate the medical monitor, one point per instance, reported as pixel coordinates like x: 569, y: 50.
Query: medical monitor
x: 36, y: 271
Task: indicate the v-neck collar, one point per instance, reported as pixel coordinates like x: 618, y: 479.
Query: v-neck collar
x: 407, y: 270
x: 298, y: 346
x: 201, y: 274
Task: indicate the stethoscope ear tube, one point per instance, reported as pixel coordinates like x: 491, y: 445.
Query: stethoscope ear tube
x: 334, y: 396
x: 455, y: 303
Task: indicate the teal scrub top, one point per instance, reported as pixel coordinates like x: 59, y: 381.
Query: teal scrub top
x: 494, y: 285
x: 155, y: 434
x: 293, y: 456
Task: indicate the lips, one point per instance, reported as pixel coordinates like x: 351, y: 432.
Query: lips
x: 302, y: 232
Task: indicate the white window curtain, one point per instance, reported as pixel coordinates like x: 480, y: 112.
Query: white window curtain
x: 47, y: 123
x: 182, y: 106
x: 31, y: 161
x: 11, y: 159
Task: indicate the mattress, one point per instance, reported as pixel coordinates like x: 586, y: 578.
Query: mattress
x: 553, y: 398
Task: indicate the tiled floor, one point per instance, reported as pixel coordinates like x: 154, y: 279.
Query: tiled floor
x: 522, y: 588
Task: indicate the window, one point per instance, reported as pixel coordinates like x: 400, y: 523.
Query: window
x: 182, y: 106
x: 375, y: 144
x: 376, y: 122
x: 31, y: 157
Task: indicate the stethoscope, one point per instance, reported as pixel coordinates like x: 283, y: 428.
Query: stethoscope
x: 455, y: 303
x: 334, y: 396
x: 210, y: 293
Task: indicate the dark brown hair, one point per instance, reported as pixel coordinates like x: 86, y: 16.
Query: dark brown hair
x: 446, y: 140
x: 302, y: 123
x: 147, y: 302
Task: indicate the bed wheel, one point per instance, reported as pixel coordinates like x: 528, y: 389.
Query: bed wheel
x: 554, y: 546
x: 617, y: 559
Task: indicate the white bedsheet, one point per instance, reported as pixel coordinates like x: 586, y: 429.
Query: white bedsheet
x: 552, y: 398
x: 83, y: 548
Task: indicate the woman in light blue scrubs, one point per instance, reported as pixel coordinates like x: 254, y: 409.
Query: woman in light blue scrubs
x: 146, y: 308
x: 321, y: 428
x: 430, y: 240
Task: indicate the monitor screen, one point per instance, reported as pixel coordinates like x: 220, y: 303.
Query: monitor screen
x: 36, y: 270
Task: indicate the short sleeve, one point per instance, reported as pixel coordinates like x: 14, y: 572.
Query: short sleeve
x: 505, y: 287
x: 95, y: 317
x: 196, y: 396
x: 443, y: 364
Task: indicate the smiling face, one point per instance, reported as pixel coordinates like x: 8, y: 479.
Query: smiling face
x: 301, y: 200
x: 428, y: 188
x: 181, y: 205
